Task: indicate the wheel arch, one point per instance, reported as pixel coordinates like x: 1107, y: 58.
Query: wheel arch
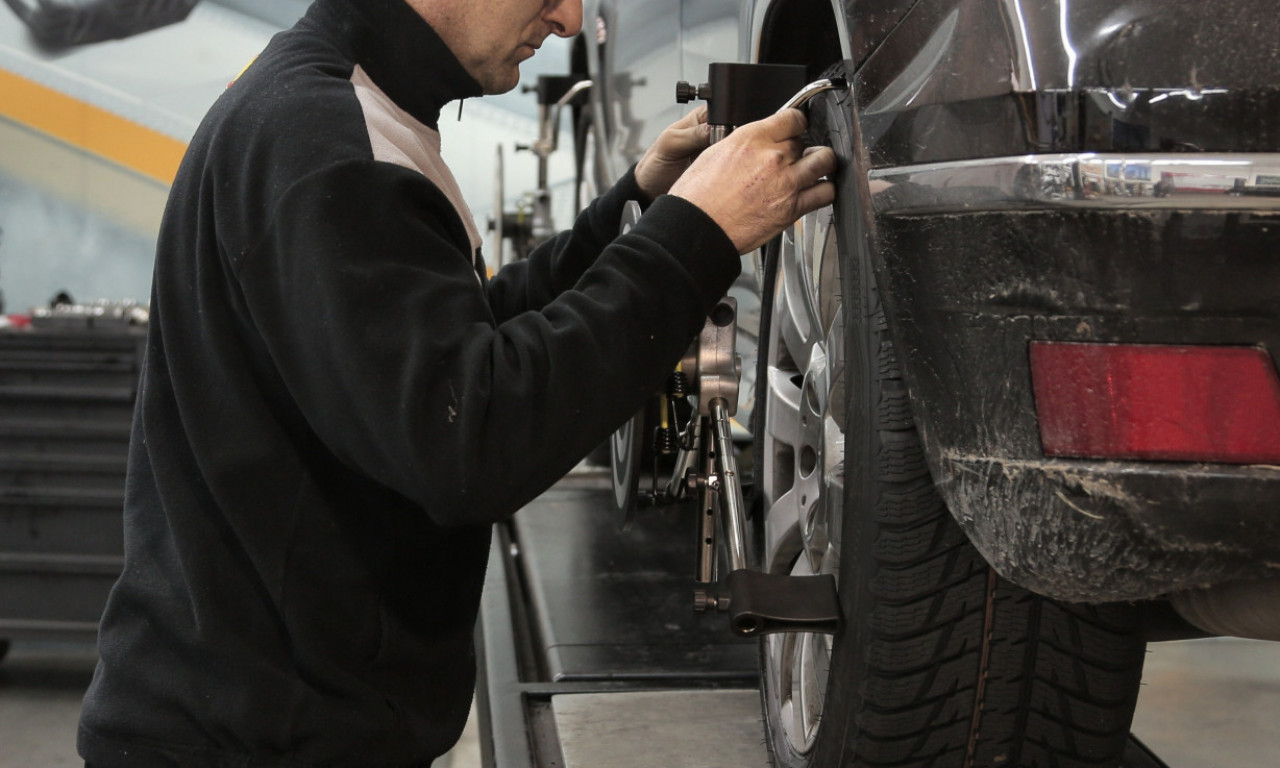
x: 784, y: 31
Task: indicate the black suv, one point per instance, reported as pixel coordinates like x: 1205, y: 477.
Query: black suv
x: 1017, y: 388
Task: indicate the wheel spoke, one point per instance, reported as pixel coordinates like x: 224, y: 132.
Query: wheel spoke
x: 782, y: 408
x: 804, y: 659
x: 817, y: 235
x: 794, y: 310
x: 783, y: 667
x: 810, y: 456
x: 782, y: 538
x: 814, y: 660
x: 827, y: 268
x: 833, y: 491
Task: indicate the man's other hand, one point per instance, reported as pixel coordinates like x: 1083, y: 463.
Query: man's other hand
x: 671, y: 154
x: 760, y: 179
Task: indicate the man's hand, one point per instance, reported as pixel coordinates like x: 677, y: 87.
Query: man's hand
x: 760, y: 179
x: 671, y: 154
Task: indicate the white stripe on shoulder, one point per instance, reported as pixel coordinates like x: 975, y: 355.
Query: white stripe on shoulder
x: 397, y: 137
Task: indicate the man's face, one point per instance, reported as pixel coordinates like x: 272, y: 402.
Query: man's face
x: 492, y: 37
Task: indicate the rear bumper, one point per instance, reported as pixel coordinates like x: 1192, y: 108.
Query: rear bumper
x: 980, y: 258
x: 1098, y: 531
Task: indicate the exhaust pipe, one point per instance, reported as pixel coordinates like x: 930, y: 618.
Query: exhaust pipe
x: 1237, y: 608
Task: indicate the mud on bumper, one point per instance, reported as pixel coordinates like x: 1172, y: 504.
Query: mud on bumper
x: 979, y: 259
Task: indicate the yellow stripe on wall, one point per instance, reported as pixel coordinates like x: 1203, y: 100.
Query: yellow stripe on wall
x: 90, y: 128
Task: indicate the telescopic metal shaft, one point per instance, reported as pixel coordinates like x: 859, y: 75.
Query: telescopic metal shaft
x: 734, y: 509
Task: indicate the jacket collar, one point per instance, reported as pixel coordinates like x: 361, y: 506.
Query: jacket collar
x: 399, y: 50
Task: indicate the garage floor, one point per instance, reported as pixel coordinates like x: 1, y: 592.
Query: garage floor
x: 1205, y: 704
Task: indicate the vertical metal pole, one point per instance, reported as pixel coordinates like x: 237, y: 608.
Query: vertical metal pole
x: 709, y: 509
x: 733, y: 507
x: 684, y: 460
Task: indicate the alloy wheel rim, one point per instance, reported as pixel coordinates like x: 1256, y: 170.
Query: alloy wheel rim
x: 803, y: 455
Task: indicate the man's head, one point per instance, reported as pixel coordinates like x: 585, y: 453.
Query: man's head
x: 492, y: 37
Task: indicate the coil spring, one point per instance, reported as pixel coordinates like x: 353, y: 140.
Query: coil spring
x: 665, y: 441
x: 677, y: 385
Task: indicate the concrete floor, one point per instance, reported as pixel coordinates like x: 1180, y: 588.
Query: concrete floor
x: 635, y: 730
x: 1212, y: 703
x: 1205, y: 704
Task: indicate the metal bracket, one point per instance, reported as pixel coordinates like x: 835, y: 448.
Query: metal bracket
x: 766, y: 603
x: 713, y: 358
x: 738, y: 94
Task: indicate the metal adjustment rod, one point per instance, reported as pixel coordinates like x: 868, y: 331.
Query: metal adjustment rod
x: 531, y: 223
x: 717, y: 372
x: 757, y: 603
x: 710, y: 370
x: 705, y: 462
x: 730, y: 486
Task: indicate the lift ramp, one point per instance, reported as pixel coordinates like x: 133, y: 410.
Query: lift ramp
x: 590, y: 654
x: 589, y: 651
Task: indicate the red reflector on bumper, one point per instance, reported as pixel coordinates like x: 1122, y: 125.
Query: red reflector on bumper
x: 1125, y: 401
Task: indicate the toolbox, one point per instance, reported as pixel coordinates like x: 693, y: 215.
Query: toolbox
x: 68, y: 381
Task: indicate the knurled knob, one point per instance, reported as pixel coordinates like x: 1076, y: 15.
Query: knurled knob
x: 705, y: 600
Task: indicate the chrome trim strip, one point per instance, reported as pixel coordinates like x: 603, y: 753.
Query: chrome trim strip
x: 1089, y: 180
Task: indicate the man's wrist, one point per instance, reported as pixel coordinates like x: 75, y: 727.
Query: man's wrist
x: 641, y: 195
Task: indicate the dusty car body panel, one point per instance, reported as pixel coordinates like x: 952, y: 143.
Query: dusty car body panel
x: 962, y: 80
x: 969, y: 293
x: 973, y: 277
x: 1047, y: 171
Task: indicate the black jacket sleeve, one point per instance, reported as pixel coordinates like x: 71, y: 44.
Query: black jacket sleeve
x: 383, y: 334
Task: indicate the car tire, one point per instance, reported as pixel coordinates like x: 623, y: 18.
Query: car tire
x: 938, y: 660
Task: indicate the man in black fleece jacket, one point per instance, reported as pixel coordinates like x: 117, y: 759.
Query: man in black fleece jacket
x: 337, y: 403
